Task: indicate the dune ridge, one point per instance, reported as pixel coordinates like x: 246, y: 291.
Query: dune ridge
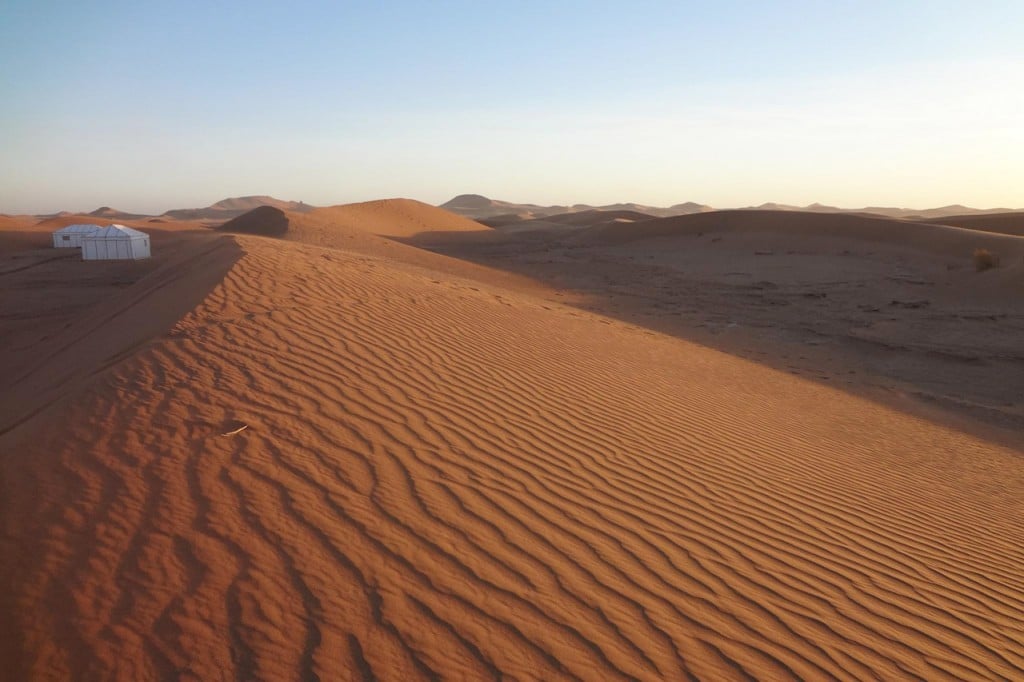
x: 396, y: 218
x: 333, y: 225
x: 481, y: 207
x: 1004, y: 223
x: 927, y: 237
x: 39, y: 369
x: 443, y: 479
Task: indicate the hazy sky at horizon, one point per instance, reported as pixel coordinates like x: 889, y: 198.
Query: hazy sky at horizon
x: 151, y: 106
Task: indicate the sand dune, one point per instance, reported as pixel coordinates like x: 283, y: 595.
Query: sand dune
x: 15, y: 222
x: 482, y: 208
x: 331, y: 225
x: 443, y: 479
x: 250, y: 202
x: 506, y: 219
x: 889, y: 310
x: 1004, y: 223
x: 46, y: 225
x: 112, y: 214
x: 234, y: 207
x: 939, y: 239
x: 561, y: 221
x: 265, y: 221
x: 66, y: 319
x: 396, y: 218
x: 360, y: 226
x: 587, y: 218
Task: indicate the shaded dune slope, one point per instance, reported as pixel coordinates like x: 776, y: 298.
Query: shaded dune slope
x: 580, y: 219
x: 266, y: 221
x: 442, y: 480
x: 41, y: 373
x: 939, y: 239
x: 1004, y: 223
x: 587, y: 218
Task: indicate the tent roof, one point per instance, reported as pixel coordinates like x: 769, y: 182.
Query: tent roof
x: 78, y: 228
x: 116, y: 232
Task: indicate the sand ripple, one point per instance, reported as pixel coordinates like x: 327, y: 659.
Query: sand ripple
x: 439, y: 480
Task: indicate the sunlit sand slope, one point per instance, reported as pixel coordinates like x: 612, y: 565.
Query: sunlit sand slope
x: 441, y: 480
x: 395, y: 218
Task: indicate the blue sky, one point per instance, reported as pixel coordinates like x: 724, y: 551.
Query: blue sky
x: 154, y: 105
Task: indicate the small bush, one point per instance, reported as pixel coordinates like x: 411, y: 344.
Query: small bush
x: 985, y: 260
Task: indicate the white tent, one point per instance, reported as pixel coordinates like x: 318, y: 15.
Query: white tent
x: 71, y: 236
x: 115, y: 242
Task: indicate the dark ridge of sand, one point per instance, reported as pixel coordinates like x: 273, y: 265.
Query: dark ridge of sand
x: 265, y: 221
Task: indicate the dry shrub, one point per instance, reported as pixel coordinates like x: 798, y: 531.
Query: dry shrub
x: 985, y: 259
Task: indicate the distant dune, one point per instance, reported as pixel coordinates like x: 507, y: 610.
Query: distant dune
x: 561, y: 221
x: 325, y: 226
x: 250, y: 202
x: 947, y: 211
x: 506, y: 219
x: 477, y: 206
x: 266, y: 221
x: 501, y: 213
x: 480, y: 207
x: 1004, y: 223
x: 236, y: 206
x: 935, y: 238
x: 586, y: 218
x: 144, y: 223
x: 397, y: 218
x: 10, y: 222
x: 114, y: 214
x: 884, y: 211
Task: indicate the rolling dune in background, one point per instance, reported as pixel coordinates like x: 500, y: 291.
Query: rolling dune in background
x: 1005, y: 223
x: 395, y: 218
x: 906, y: 234
x: 343, y: 464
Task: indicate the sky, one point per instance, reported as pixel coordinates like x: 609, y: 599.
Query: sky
x: 148, y: 106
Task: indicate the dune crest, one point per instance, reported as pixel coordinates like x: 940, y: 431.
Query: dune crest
x: 266, y: 221
x: 397, y: 218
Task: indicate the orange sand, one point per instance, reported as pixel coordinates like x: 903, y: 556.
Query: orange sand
x: 440, y: 477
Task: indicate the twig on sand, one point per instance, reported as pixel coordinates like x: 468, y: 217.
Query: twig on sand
x: 241, y: 428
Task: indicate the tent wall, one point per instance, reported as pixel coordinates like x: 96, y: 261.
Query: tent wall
x: 68, y: 240
x: 115, y: 249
